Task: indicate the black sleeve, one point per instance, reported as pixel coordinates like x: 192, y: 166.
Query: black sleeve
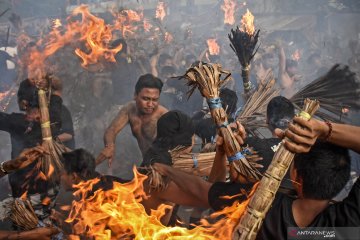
x: 66, y: 122
x: 55, y: 111
x: 348, y: 211
x: 223, y: 194
x: 4, y: 122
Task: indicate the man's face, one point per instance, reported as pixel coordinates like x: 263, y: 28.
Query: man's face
x: 67, y: 181
x: 147, y: 100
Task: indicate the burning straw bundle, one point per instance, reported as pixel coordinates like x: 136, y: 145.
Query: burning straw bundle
x: 50, y: 163
x: 243, y: 41
x: 253, y: 115
x: 261, y: 200
x: 208, y: 79
x: 338, y: 90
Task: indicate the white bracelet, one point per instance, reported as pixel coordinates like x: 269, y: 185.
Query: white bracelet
x: 2, y: 168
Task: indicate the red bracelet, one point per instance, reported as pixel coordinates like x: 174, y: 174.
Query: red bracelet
x: 330, y: 130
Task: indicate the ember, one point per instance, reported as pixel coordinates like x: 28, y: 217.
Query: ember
x: 229, y: 7
x: 213, y: 46
x: 160, y: 11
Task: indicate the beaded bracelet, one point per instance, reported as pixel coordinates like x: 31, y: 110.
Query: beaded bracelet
x: 330, y: 130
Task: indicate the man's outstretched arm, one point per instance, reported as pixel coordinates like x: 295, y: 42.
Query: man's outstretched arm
x: 111, y: 132
x: 185, y: 189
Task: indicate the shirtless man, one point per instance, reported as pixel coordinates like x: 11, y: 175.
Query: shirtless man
x: 142, y: 115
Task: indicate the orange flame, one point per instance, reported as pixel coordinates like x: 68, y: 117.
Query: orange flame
x: 296, y: 55
x: 213, y: 46
x: 126, y: 21
x: 90, y: 29
x: 118, y: 214
x: 160, y: 11
x: 229, y: 11
x: 247, y: 23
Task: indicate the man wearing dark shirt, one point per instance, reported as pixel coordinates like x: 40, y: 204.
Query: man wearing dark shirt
x: 317, y: 176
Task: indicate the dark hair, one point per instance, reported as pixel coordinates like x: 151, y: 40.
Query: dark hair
x: 26, y: 91
x: 80, y: 162
x: 205, y: 129
x: 291, y: 63
x: 148, y: 81
x: 280, y: 111
x: 229, y: 99
x: 324, y: 170
x: 163, y: 57
x: 174, y: 129
x: 167, y: 70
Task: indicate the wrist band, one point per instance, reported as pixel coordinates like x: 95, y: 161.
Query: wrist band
x: 109, y: 145
x: 2, y: 168
x: 330, y: 130
x: 214, y: 103
x: 223, y: 125
x: 235, y: 157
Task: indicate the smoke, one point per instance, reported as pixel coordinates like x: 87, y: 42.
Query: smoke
x: 327, y: 29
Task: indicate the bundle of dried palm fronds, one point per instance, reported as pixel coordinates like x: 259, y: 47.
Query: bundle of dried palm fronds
x: 51, y: 164
x: 253, y: 114
x: 23, y: 214
x: 259, y: 204
x: 208, y: 78
x: 338, y: 91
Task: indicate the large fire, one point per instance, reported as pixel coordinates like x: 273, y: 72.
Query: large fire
x: 90, y: 31
x: 229, y: 11
x: 160, y: 11
x: 213, y: 46
x: 247, y: 23
x: 118, y: 214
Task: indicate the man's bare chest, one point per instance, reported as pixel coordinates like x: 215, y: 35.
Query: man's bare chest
x: 143, y: 128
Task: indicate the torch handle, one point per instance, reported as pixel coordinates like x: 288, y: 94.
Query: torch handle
x: 260, y: 202
x: 45, y: 117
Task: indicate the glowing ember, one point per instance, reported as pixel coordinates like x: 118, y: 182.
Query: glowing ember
x: 118, y: 214
x: 168, y: 37
x: 160, y: 11
x: 229, y: 11
x: 213, y: 46
x: 147, y: 25
x: 56, y: 23
x: 247, y: 23
x: 345, y: 110
x: 296, y: 55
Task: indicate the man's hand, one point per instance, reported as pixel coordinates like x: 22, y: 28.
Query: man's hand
x: 239, y: 134
x: 107, y: 153
x: 44, y: 233
x: 304, y: 136
x: 26, y: 157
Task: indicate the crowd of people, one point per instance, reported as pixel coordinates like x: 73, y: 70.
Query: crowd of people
x: 139, y: 107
